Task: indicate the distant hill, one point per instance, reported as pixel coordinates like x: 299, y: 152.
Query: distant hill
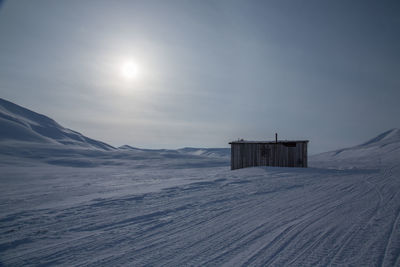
x: 210, y: 152
x: 186, y: 152
x: 380, y: 150
x: 30, y: 135
x: 18, y: 124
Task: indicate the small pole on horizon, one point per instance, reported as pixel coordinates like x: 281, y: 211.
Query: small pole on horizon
x: 276, y: 138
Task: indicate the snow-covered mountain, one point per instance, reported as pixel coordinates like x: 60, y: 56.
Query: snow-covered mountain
x: 18, y: 124
x: 383, y: 149
x: 27, y: 134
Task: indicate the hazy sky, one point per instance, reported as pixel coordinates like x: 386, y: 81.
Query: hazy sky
x: 206, y: 72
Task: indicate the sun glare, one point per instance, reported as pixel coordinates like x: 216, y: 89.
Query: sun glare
x: 129, y: 70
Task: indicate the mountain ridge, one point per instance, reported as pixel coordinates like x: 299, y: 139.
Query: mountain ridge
x: 380, y: 150
x: 390, y: 136
x: 21, y: 124
x: 25, y: 134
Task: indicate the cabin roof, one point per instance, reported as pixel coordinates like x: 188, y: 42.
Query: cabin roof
x: 268, y: 142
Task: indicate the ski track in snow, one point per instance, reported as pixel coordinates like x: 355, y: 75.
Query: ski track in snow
x: 199, y: 216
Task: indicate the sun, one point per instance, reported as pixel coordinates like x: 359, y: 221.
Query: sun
x: 129, y: 70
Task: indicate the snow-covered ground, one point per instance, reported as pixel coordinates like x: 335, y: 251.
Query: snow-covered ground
x: 66, y: 205
x: 199, y: 216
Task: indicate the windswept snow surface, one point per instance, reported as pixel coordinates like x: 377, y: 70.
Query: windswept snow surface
x: 143, y: 214
x: 75, y: 204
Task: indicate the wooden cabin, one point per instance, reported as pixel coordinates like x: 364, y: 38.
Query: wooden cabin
x: 268, y: 153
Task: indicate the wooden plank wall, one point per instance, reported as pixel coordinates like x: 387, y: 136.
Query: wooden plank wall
x: 268, y: 154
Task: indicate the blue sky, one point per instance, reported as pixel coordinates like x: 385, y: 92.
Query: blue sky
x: 208, y: 72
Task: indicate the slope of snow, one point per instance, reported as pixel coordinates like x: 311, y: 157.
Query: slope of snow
x: 27, y: 134
x: 18, y: 124
x: 379, y: 151
x: 389, y: 137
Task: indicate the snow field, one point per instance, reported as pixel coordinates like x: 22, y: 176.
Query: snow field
x: 200, y: 216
